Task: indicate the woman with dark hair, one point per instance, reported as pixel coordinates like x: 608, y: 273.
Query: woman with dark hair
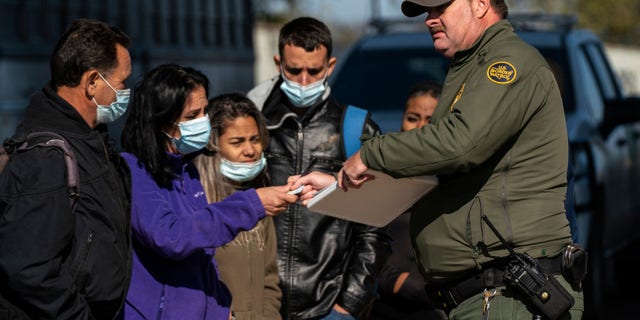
x: 421, y: 102
x: 174, y: 229
x: 400, y: 284
x: 233, y: 161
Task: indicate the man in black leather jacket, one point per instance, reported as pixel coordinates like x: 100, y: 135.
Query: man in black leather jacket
x: 328, y: 266
x: 55, y: 262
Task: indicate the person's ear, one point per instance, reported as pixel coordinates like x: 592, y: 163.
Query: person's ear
x: 277, y: 61
x: 89, y: 82
x: 332, y: 65
x: 482, y: 7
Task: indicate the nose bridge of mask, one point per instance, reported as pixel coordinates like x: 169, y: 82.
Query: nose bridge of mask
x: 300, y: 87
x: 194, y: 134
x: 242, y: 164
x: 123, y: 93
x: 194, y: 126
x: 241, y: 171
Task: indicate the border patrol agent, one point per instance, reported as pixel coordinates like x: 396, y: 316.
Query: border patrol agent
x: 498, y: 143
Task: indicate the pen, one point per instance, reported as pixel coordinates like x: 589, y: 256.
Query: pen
x: 306, y: 171
x: 309, y: 167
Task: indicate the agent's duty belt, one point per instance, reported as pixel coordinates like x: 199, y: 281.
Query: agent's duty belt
x: 450, y: 295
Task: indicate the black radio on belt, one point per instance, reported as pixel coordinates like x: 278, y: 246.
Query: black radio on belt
x: 537, y: 287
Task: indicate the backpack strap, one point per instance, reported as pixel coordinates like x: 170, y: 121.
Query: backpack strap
x: 50, y: 139
x: 353, y: 121
x: 4, y: 157
x: 9, y: 146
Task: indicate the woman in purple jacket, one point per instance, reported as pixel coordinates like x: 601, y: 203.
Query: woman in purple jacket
x: 174, y: 230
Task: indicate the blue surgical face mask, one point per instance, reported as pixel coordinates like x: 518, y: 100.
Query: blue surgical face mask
x: 194, y: 135
x: 110, y: 113
x: 242, y: 171
x: 303, y: 96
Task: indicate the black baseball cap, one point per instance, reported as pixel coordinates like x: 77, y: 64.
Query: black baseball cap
x: 414, y: 8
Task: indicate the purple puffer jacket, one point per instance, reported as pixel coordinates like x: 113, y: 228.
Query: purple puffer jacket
x: 174, y: 234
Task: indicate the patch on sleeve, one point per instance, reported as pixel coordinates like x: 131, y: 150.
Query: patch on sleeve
x: 501, y: 72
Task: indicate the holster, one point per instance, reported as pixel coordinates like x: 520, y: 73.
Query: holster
x: 537, y: 287
x: 574, y: 265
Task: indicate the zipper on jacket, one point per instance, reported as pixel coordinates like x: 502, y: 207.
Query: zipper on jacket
x: 503, y: 196
x: 299, y: 146
x: 83, y: 254
x: 161, y: 305
x: 288, y: 272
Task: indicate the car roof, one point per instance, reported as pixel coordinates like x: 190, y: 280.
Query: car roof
x: 422, y: 39
x: 414, y: 39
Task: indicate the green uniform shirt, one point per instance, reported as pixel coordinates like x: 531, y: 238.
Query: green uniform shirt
x: 499, y: 145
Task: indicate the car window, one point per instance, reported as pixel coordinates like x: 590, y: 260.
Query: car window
x: 591, y: 91
x: 381, y: 79
x: 601, y: 67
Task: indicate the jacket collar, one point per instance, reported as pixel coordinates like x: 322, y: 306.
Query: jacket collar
x: 47, y: 110
x: 500, y: 29
x: 276, y: 109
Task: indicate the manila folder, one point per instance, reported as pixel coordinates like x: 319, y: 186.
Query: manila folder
x: 377, y: 202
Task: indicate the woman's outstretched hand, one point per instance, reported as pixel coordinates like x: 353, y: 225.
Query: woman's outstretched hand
x: 275, y: 199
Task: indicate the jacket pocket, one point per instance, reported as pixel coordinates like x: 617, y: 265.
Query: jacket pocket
x: 81, y: 275
x: 479, y: 236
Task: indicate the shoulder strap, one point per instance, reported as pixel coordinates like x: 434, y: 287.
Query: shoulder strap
x: 4, y: 157
x: 9, y: 146
x: 353, y: 121
x: 50, y: 139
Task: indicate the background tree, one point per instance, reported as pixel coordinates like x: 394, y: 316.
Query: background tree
x: 615, y: 21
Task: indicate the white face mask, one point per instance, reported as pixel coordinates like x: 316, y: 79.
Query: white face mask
x: 110, y: 113
x: 242, y: 171
x: 303, y: 96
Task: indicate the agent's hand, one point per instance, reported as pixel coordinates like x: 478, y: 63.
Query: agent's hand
x: 352, y: 173
x: 312, y: 182
x: 275, y: 199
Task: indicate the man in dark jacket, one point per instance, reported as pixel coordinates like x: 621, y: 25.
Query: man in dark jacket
x: 55, y: 262
x: 328, y: 266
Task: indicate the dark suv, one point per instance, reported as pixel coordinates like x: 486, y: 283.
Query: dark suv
x: 603, y: 126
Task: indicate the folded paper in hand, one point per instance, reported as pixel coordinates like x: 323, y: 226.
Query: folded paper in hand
x: 377, y: 202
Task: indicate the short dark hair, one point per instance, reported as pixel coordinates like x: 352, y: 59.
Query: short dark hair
x: 85, y: 44
x: 307, y: 33
x: 157, y: 102
x: 501, y: 8
x: 431, y: 88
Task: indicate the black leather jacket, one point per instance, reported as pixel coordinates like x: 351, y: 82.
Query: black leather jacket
x: 55, y: 263
x: 322, y: 260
